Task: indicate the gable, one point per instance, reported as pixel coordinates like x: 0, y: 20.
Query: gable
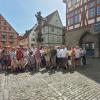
x: 7, y: 24
x: 55, y: 20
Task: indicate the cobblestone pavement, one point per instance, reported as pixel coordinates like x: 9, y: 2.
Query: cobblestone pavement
x: 81, y: 84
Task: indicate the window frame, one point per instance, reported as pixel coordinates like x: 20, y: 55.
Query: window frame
x: 90, y: 8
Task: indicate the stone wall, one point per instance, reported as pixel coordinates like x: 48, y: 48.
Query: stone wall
x: 73, y: 37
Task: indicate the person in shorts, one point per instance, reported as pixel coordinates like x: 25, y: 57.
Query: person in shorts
x: 58, y: 57
x: 53, y: 54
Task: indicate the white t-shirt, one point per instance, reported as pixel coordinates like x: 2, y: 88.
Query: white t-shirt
x: 77, y: 53
x: 58, y: 53
x: 34, y: 50
x: 63, y: 53
x: 42, y: 52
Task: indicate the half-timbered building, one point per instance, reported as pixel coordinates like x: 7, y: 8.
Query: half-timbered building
x: 83, y: 24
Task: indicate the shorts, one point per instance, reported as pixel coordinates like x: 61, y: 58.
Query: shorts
x: 64, y: 60
x: 58, y: 60
x: 53, y: 59
x: 4, y: 62
x: 47, y: 58
x: 69, y: 62
x: 77, y: 58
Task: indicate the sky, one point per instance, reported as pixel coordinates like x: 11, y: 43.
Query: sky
x: 21, y: 13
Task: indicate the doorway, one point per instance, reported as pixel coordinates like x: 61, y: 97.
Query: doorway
x: 90, y: 48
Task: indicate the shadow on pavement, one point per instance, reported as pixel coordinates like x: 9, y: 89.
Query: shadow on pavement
x: 91, y: 70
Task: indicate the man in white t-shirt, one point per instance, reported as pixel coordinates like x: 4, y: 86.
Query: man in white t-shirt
x: 77, y: 55
x: 63, y: 52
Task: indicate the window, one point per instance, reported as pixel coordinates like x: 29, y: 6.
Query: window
x: 44, y: 40
x: 91, y: 12
x: 11, y: 40
x: 52, y: 29
x: 11, y: 34
x: 74, y: 17
x: 33, y: 39
x: 71, y: 14
x: 71, y: 20
x: 9, y: 29
x: 98, y: 10
x: 3, y: 42
x: 32, y: 45
x: 4, y: 28
x: 56, y: 21
x: 4, y: 34
x: 5, y: 23
x: 91, y: 9
x: 58, y: 39
x: 98, y: 7
x: 91, y: 4
x: 76, y: 20
x: 3, y: 38
x: 58, y: 30
x: 52, y: 39
x: 98, y: 1
x: 73, y: 1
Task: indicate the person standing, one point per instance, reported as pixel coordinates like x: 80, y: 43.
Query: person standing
x: 53, y: 54
x: 38, y: 58
x: 83, y: 57
x: 43, y: 61
x: 19, y: 53
x: 5, y: 58
x: 63, y: 52
x: 77, y: 56
x: 69, y: 57
x: 31, y: 61
x: 47, y: 57
x: 58, y: 57
x: 73, y: 53
x: 19, y: 56
x: 13, y: 60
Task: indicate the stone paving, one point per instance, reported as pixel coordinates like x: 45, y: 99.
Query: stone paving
x: 81, y: 84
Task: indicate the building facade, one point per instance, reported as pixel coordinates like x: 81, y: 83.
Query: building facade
x: 32, y: 37
x: 52, y: 30
x: 83, y: 25
x: 23, y: 41
x: 29, y: 38
x: 8, y: 36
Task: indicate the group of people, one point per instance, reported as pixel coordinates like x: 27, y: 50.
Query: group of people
x: 50, y: 57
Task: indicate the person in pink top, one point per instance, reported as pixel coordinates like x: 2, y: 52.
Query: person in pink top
x: 38, y: 58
